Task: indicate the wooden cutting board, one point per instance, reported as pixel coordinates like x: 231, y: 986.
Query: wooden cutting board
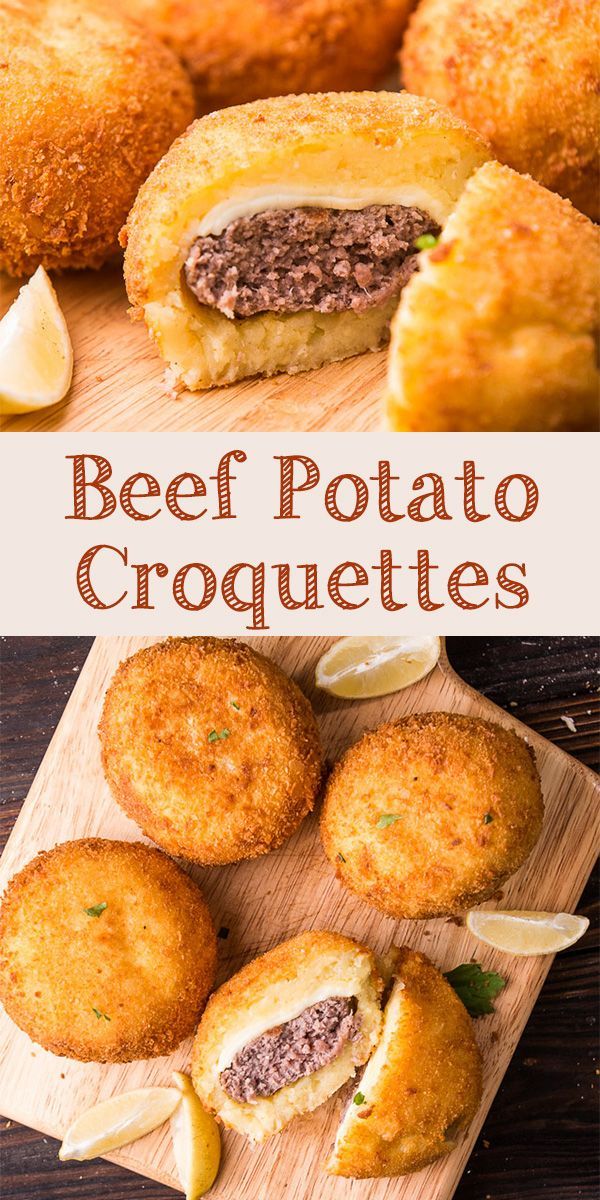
x: 264, y: 901
x: 118, y: 381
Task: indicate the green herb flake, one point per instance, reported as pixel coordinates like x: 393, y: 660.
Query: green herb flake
x: 426, y: 241
x: 476, y: 988
x: 387, y: 819
x: 96, y: 910
x: 100, y: 1015
x: 234, y: 704
x: 487, y: 820
x: 359, y: 1098
x: 340, y: 857
x: 217, y: 737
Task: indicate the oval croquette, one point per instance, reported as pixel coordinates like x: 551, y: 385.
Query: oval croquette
x: 427, y: 817
x: 107, y: 951
x: 239, y: 50
x: 422, y: 1086
x: 525, y: 74
x: 210, y: 748
x: 89, y: 101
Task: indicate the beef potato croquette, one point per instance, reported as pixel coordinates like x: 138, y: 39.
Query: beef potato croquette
x: 422, y: 1086
x: 286, y: 1032
x: 89, y: 101
x: 277, y: 236
x: 107, y: 951
x: 211, y: 748
x: 239, y: 50
x: 429, y: 816
x: 526, y: 74
x: 510, y: 300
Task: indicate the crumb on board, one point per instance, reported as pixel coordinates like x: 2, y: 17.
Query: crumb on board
x: 569, y: 722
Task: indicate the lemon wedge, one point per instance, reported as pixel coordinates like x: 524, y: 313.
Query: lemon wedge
x: 196, y: 1141
x: 36, y: 356
x: 357, y: 667
x: 117, y: 1121
x: 526, y: 933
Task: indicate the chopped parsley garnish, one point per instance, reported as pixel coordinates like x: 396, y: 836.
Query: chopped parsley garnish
x: 234, y: 704
x: 223, y: 932
x: 96, y: 910
x: 387, y: 819
x: 426, y: 241
x: 340, y: 857
x: 100, y: 1015
x: 359, y: 1098
x: 487, y: 820
x: 217, y: 737
x: 476, y: 988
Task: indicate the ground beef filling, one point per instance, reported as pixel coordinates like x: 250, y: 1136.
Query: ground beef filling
x: 289, y: 1052
x: 289, y: 260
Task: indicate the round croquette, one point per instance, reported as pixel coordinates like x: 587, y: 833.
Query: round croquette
x: 427, y: 817
x: 89, y: 102
x: 239, y: 50
x: 525, y: 74
x: 422, y: 1086
x: 509, y: 297
x: 211, y: 748
x: 258, y: 1003
x: 107, y: 951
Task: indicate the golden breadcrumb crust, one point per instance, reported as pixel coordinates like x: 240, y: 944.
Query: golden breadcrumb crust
x: 285, y: 980
x: 348, y: 144
x: 467, y: 809
x: 423, y: 1085
x: 88, y: 103
x: 526, y: 74
x: 128, y: 983
x: 499, y: 328
x: 211, y: 748
x: 237, y: 51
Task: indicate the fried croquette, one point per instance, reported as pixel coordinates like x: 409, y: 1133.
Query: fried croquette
x: 429, y: 816
x: 89, y: 101
x: 277, y: 236
x: 500, y: 327
x: 422, y: 1086
x: 286, y: 1032
x: 526, y: 74
x: 211, y: 748
x: 107, y: 951
x: 239, y: 50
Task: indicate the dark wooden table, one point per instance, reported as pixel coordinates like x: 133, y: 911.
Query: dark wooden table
x: 540, y: 1139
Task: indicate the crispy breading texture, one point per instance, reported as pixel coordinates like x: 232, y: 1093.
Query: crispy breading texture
x: 427, y: 817
x: 268, y: 992
x: 89, y: 101
x: 127, y: 980
x: 375, y: 147
x: 211, y: 748
x: 499, y: 328
x: 423, y: 1085
x: 526, y: 74
x: 236, y: 52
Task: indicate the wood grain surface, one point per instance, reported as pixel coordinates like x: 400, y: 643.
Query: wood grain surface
x: 566, y: 787
x: 118, y: 381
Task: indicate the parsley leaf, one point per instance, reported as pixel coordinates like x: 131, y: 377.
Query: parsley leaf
x: 96, y: 910
x: 426, y: 241
x: 488, y: 818
x: 217, y: 737
x: 387, y: 819
x: 100, y: 1014
x: 234, y: 704
x: 359, y: 1098
x: 476, y: 988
